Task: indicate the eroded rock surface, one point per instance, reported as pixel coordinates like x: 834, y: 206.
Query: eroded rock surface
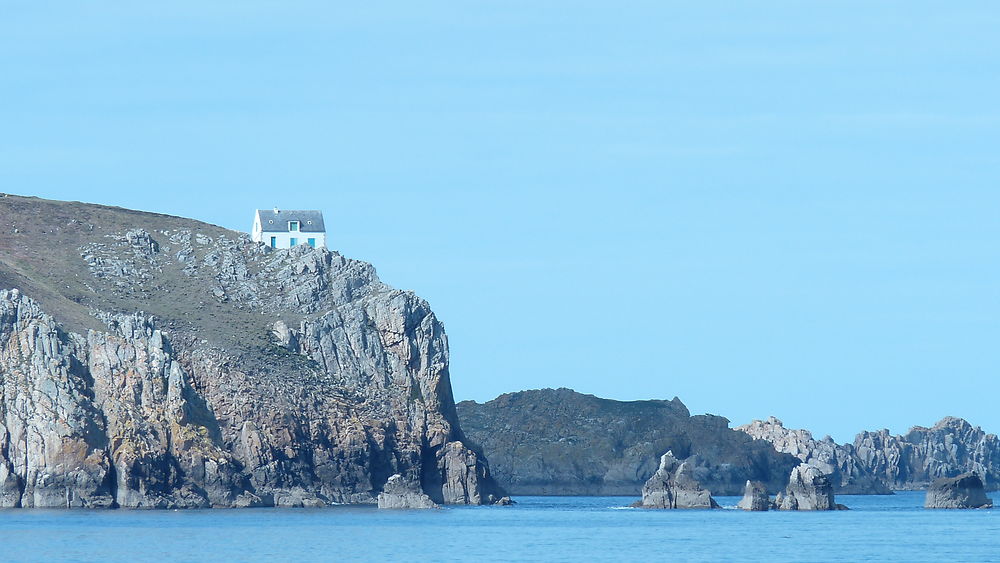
x: 674, y: 486
x: 879, y: 462
x: 914, y: 460
x: 963, y: 491
x: 151, y: 361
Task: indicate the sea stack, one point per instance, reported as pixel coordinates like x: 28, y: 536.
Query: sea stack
x: 964, y: 491
x: 755, y: 497
x: 673, y: 486
x: 808, y: 489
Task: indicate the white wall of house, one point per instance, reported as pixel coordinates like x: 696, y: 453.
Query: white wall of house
x: 286, y: 239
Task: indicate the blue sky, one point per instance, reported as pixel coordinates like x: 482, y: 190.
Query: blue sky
x: 783, y: 208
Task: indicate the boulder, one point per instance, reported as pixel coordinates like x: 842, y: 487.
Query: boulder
x: 964, y: 491
x: 673, y: 486
x: 755, y: 497
x: 398, y: 493
x: 808, y: 489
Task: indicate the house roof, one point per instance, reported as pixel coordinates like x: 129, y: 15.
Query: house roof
x: 310, y: 220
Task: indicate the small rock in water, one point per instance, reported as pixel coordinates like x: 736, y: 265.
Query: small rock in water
x: 673, y: 486
x: 755, y: 497
x: 964, y: 491
x: 397, y: 493
x: 808, y: 489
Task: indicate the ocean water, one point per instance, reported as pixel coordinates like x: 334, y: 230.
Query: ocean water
x: 887, y: 528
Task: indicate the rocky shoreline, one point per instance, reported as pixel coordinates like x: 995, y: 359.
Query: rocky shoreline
x: 150, y: 361
x: 560, y: 442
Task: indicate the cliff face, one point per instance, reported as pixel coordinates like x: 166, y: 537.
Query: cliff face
x: 559, y: 442
x: 947, y: 449
x: 153, y: 361
x: 878, y: 462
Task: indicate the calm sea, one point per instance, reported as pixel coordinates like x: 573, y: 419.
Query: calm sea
x: 892, y: 528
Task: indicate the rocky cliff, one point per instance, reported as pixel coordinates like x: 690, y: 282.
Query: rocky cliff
x: 154, y: 361
x: 878, y: 462
x: 947, y: 449
x: 560, y: 442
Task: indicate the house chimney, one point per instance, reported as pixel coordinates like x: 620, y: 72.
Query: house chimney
x: 275, y: 209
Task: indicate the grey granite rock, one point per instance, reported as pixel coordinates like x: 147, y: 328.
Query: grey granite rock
x: 673, y: 486
x: 878, y: 462
x: 808, y: 489
x: 912, y: 461
x: 963, y: 491
x: 755, y: 497
x: 399, y: 493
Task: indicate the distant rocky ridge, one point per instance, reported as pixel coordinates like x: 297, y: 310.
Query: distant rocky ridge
x: 878, y: 462
x: 560, y: 442
x: 947, y: 449
x: 847, y: 474
x: 152, y: 361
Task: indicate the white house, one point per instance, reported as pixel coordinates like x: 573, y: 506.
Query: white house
x: 285, y: 228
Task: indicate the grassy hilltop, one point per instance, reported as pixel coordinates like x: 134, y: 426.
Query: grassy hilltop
x: 42, y: 250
